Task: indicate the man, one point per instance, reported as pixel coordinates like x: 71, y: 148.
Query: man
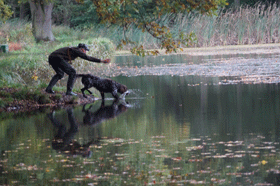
x: 59, y: 61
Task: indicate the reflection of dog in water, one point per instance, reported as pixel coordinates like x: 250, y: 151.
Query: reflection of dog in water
x: 103, y: 113
x: 102, y: 85
x: 63, y: 141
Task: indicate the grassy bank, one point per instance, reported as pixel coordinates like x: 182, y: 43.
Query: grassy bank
x: 27, y: 61
x: 25, y: 72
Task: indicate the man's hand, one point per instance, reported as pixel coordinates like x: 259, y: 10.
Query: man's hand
x: 106, y: 61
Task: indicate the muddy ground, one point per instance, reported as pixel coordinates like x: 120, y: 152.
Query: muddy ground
x: 53, y: 100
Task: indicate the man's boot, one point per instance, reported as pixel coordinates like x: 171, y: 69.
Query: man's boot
x: 70, y: 84
x: 51, y: 84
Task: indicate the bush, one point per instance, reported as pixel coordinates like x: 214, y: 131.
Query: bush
x: 16, y: 31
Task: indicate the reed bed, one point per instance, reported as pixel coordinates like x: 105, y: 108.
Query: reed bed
x: 246, y: 25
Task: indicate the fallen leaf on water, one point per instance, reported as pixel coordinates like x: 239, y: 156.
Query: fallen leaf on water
x: 177, y: 159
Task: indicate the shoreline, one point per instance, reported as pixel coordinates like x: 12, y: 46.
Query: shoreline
x: 53, y: 101
x: 221, y: 50
x: 61, y: 100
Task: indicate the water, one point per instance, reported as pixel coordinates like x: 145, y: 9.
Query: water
x: 171, y: 129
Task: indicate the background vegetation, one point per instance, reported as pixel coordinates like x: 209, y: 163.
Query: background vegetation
x: 248, y: 23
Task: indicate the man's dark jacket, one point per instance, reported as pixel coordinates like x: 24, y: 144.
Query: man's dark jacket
x: 71, y: 53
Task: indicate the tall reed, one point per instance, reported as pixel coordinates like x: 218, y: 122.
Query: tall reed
x: 245, y: 25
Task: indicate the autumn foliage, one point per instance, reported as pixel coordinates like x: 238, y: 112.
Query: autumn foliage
x: 146, y: 15
x: 15, y: 46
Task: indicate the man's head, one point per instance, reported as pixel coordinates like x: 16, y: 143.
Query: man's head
x: 83, y: 46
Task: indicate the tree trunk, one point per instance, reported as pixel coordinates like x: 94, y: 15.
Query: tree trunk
x: 23, y: 10
x: 41, y: 15
x: 66, y: 17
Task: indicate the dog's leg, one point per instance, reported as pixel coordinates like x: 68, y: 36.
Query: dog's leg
x: 84, y: 108
x: 83, y: 91
x: 102, y: 95
x: 89, y: 91
x: 115, y: 94
x: 102, y: 103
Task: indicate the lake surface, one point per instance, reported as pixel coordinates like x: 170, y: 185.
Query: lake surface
x: 190, y: 120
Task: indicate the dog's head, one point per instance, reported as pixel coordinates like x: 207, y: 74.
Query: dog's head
x: 122, y: 89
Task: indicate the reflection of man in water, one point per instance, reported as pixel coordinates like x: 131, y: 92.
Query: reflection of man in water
x: 64, y: 142
x: 103, y: 113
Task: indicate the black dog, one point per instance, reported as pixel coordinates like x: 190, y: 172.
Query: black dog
x: 102, y: 85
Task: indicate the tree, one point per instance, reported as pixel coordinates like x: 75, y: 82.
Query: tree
x: 41, y: 15
x: 63, y: 11
x: 146, y: 15
x: 84, y: 16
x: 5, y: 11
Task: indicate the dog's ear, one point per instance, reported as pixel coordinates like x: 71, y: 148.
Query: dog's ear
x: 123, y: 89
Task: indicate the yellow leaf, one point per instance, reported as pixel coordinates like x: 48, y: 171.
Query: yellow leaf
x: 264, y: 162
x: 35, y: 77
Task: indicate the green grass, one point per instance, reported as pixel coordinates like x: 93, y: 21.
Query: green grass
x: 22, y: 93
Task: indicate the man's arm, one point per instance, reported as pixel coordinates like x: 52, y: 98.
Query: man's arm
x: 89, y: 58
x: 86, y: 57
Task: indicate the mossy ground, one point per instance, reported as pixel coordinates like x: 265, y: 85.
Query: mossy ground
x: 13, y: 99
